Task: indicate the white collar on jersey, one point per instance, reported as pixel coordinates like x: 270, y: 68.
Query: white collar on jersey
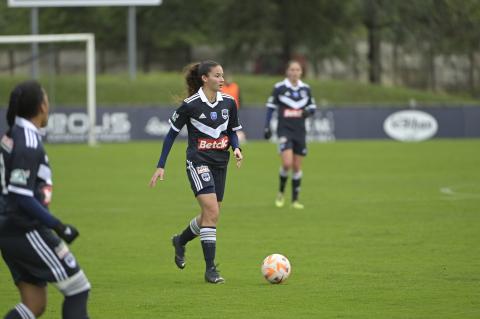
x: 289, y: 84
x: 20, y: 121
x: 205, y: 100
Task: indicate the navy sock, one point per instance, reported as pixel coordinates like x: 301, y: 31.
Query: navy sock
x: 283, y: 179
x: 190, y: 233
x: 75, y: 307
x: 296, y: 181
x: 208, y: 238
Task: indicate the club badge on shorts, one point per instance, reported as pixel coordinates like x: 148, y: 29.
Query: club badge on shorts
x: 206, y: 177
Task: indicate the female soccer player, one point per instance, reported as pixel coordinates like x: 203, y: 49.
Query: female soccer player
x: 32, y: 252
x: 293, y: 102
x: 212, y: 122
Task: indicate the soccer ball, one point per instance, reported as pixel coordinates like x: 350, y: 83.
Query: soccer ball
x: 276, y: 268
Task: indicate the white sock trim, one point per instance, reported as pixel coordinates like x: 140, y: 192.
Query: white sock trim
x: 208, y: 234
x: 194, y: 226
x: 283, y: 172
x: 24, y: 312
x: 74, y: 285
x: 297, y: 175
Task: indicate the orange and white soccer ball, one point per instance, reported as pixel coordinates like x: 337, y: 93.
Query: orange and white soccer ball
x: 276, y: 268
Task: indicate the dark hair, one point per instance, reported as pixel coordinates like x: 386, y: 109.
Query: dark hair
x: 289, y: 63
x: 194, y: 72
x: 25, y: 101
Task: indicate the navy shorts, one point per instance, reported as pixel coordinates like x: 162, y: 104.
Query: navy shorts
x: 37, y: 257
x: 295, y: 142
x: 206, y: 179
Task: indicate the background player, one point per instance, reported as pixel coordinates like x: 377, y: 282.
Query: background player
x: 212, y: 122
x: 293, y: 102
x: 231, y: 88
x: 33, y: 253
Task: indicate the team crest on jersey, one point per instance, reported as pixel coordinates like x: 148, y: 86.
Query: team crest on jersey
x: 295, y: 94
x: 206, y: 177
x: 225, y: 114
x: 303, y: 94
x: 213, y: 115
x: 19, y: 176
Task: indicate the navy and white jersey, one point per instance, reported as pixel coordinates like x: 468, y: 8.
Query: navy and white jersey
x: 24, y: 169
x: 208, y: 126
x: 290, y: 101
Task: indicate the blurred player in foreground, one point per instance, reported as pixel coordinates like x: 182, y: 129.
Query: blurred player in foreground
x: 34, y: 254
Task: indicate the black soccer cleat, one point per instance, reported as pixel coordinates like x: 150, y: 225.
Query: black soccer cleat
x: 212, y: 276
x: 179, y: 252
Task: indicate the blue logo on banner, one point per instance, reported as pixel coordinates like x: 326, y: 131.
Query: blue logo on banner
x: 213, y: 115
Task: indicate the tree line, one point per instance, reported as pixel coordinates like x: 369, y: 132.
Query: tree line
x: 267, y: 33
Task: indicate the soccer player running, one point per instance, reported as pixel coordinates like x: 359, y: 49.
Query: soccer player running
x: 293, y: 102
x: 34, y: 254
x: 212, y: 122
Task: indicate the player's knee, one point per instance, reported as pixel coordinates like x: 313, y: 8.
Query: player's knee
x: 210, y: 214
x: 74, y: 285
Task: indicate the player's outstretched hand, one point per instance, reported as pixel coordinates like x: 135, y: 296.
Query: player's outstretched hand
x: 238, y: 156
x: 267, y: 133
x: 157, y: 175
x: 66, y: 232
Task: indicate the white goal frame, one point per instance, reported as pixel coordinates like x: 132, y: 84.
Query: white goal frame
x: 89, y: 39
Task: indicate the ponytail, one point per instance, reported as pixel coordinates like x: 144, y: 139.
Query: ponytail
x: 194, y: 72
x: 13, y: 106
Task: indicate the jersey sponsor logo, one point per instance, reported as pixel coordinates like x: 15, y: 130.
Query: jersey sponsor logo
x: 19, y: 176
x: 206, y: 177
x: 7, y: 143
x: 225, y: 114
x: 204, y: 144
x: 202, y: 169
x: 213, y: 115
x: 202, y: 116
x: 292, y: 113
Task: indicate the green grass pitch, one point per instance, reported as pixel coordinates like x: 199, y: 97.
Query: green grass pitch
x: 390, y: 230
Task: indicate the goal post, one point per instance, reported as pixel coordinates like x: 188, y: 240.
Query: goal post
x: 89, y: 39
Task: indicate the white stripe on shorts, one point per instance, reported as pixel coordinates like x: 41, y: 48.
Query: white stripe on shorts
x: 195, y: 177
x: 47, y: 255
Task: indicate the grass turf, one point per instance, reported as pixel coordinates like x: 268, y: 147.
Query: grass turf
x: 390, y: 230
